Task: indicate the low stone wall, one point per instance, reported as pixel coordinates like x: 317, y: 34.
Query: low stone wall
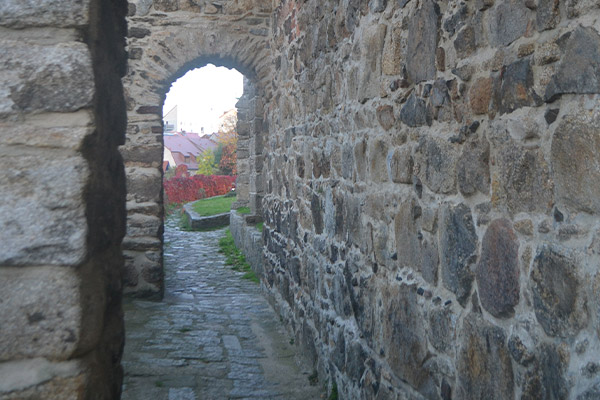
x: 196, y: 221
x: 249, y: 240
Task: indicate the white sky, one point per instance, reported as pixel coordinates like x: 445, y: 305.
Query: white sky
x: 202, y: 96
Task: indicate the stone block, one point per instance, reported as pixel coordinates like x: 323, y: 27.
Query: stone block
x: 436, y: 161
x: 166, y: 5
x: 143, y: 184
x: 558, y: 301
x: 416, y: 112
x: 39, y: 378
x: 385, y: 116
x: 579, y: 69
x: 521, y: 182
x: 513, y: 89
x: 404, y: 334
x: 57, y: 78
x: 473, y: 168
x: 458, y: 246
x: 43, y: 210
x: 422, y: 42
x: 547, y: 15
x: 507, y: 22
x: 576, y: 162
x: 546, y: 379
x: 370, y: 73
x: 392, y: 52
x: 378, y: 150
x: 484, y: 366
x: 143, y: 225
x: 142, y: 153
x: 58, y: 130
x: 400, y: 165
x: 41, y: 310
x: 498, y: 270
x: 480, y: 95
x: 442, y: 328
x: 54, y: 13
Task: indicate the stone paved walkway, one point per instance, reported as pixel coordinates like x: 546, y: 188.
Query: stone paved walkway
x: 212, y: 337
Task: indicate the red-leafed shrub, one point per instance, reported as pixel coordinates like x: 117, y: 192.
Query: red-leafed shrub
x: 183, y: 189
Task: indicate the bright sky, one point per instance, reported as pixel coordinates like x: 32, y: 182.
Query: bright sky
x: 202, y: 96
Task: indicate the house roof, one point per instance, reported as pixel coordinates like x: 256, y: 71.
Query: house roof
x: 188, y: 144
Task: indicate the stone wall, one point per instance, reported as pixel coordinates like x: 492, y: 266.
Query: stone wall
x: 428, y: 173
x: 167, y: 38
x: 62, y: 197
x: 432, y: 181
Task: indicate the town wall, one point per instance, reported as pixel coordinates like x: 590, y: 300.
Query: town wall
x: 431, y: 209
x: 166, y: 39
x: 62, y: 198
x: 427, y: 172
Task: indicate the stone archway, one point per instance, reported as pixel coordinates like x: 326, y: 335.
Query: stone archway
x: 165, y: 41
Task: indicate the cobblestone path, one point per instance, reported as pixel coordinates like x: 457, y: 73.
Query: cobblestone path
x: 212, y: 337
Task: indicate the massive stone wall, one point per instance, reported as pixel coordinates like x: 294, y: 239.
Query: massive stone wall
x: 427, y: 171
x: 432, y: 181
x: 62, y: 213
x: 167, y: 38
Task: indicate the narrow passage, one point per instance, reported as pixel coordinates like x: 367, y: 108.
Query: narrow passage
x: 214, y: 336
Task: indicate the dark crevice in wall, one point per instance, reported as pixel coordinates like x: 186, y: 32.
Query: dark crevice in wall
x: 101, y: 276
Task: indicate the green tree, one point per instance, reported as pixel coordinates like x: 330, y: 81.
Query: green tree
x: 206, y: 163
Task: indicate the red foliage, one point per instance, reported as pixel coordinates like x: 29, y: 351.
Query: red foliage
x: 228, y: 163
x: 181, y: 189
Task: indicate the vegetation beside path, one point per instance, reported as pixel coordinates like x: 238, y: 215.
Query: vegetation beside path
x: 213, y: 205
x: 235, y: 258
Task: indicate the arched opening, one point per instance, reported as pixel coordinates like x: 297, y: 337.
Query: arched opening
x: 145, y: 166
x: 212, y: 328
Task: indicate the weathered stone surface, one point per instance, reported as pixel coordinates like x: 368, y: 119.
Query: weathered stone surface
x: 39, y: 378
x: 403, y: 334
x: 436, y: 160
x: 33, y: 184
x: 480, y: 95
x: 166, y: 5
x: 522, y: 182
x: 546, y: 381
x: 473, y: 168
x: 60, y: 130
x: 41, y: 312
x: 143, y: 184
x: 484, y: 365
x: 442, y: 327
x: 576, y: 162
x: 143, y: 225
x: 498, y: 269
x: 378, y: 150
x: 422, y: 42
x: 415, y: 112
x: 407, y: 242
x: 579, y: 69
x: 391, y: 63
x: 466, y: 42
x: 58, y: 77
x: 371, y: 62
x: 513, y: 89
x: 547, y: 15
x: 400, y: 165
x: 559, y: 305
x: 507, y: 22
x: 458, y: 244
x: 385, y: 116
x: 61, y: 13
x: 590, y: 394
